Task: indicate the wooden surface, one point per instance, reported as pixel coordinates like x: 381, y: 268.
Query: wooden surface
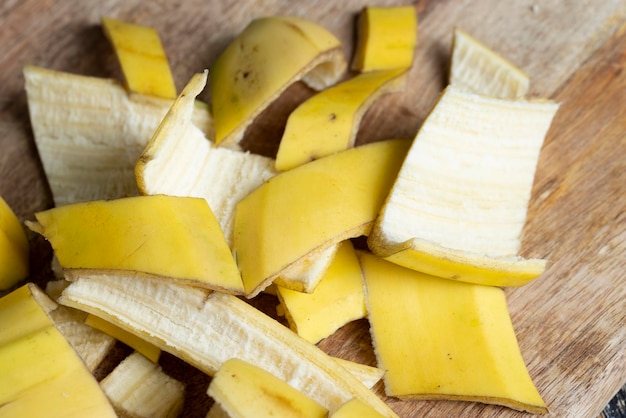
x: 570, y: 322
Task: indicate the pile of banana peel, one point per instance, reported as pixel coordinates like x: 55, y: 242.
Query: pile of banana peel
x: 165, y: 227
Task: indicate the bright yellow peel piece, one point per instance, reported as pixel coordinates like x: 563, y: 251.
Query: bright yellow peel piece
x: 270, y: 54
x: 142, y: 58
x: 440, y: 339
x: 311, y: 207
x: 159, y: 236
x: 14, y: 248
x: 386, y: 38
x: 328, y: 122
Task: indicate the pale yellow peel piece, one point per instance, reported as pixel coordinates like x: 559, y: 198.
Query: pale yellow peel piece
x: 348, y: 189
x: 386, y: 38
x: 337, y: 300
x: 440, y: 339
x: 147, y: 350
x: 89, y: 132
x: 206, y: 329
x: 459, y: 203
x: 476, y: 68
x: 139, y: 388
x: 171, y: 237
x: 142, y: 58
x: 354, y: 408
x: 252, y: 71
x: 40, y: 373
x: 245, y: 390
x: 14, y: 248
x: 328, y: 122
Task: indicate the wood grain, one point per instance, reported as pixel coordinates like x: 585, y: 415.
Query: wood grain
x: 570, y: 322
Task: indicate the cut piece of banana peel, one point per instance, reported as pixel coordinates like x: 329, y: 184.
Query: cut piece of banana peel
x: 459, y: 203
x: 329, y: 121
x: 142, y: 58
x: 252, y: 72
x: 245, y: 390
x: 139, y: 388
x: 161, y: 237
x: 90, y: 131
x: 40, y: 373
x: 308, y: 208
x: 207, y: 328
x: 14, y: 248
x: 478, y: 69
x: 439, y: 339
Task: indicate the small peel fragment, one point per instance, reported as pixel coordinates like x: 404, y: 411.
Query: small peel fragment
x: 476, y: 68
x: 459, y: 203
x: 245, y: 390
x: 252, y: 72
x: 162, y: 237
x: 440, y: 339
x: 14, y: 248
x: 207, y: 328
x: 386, y: 38
x: 328, y: 122
x: 142, y: 58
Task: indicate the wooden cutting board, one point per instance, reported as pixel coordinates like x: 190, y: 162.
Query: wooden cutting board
x: 571, y: 322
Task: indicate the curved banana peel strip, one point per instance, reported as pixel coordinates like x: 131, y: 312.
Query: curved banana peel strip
x: 440, y: 339
x: 40, y: 373
x: 303, y: 210
x: 254, y: 70
x: 459, y: 203
x: 355, y: 408
x: 328, y: 122
x: 208, y: 328
x: 14, y: 248
x: 142, y: 58
x: 162, y: 237
x: 90, y: 131
x: 386, y: 38
x: 245, y: 390
x: 478, y: 69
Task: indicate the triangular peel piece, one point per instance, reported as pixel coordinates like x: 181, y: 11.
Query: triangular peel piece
x: 476, y: 68
x: 459, y: 203
x: 311, y: 207
x: 163, y: 237
x: 440, y: 339
x: 252, y: 72
x: 90, y: 131
x: 223, y: 327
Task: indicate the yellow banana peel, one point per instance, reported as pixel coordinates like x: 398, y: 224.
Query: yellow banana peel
x: 14, y: 248
x: 328, y: 122
x: 355, y: 408
x: 277, y: 224
x: 338, y: 299
x: 266, y: 57
x: 245, y: 390
x: 440, y: 339
x: 159, y: 236
x: 40, y: 373
x: 142, y: 58
x: 386, y: 38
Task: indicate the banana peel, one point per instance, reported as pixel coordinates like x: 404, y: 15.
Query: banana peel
x: 277, y: 225
x: 459, y: 203
x: 142, y: 58
x: 386, y: 38
x: 207, y: 328
x: 40, y: 373
x: 89, y: 132
x: 266, y: 57
x: 355, y: 408
x: 162, y: 237
x: 14, y: 248
x: 245, y: 390
x: 440, y: 339
x: 478, y: 69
